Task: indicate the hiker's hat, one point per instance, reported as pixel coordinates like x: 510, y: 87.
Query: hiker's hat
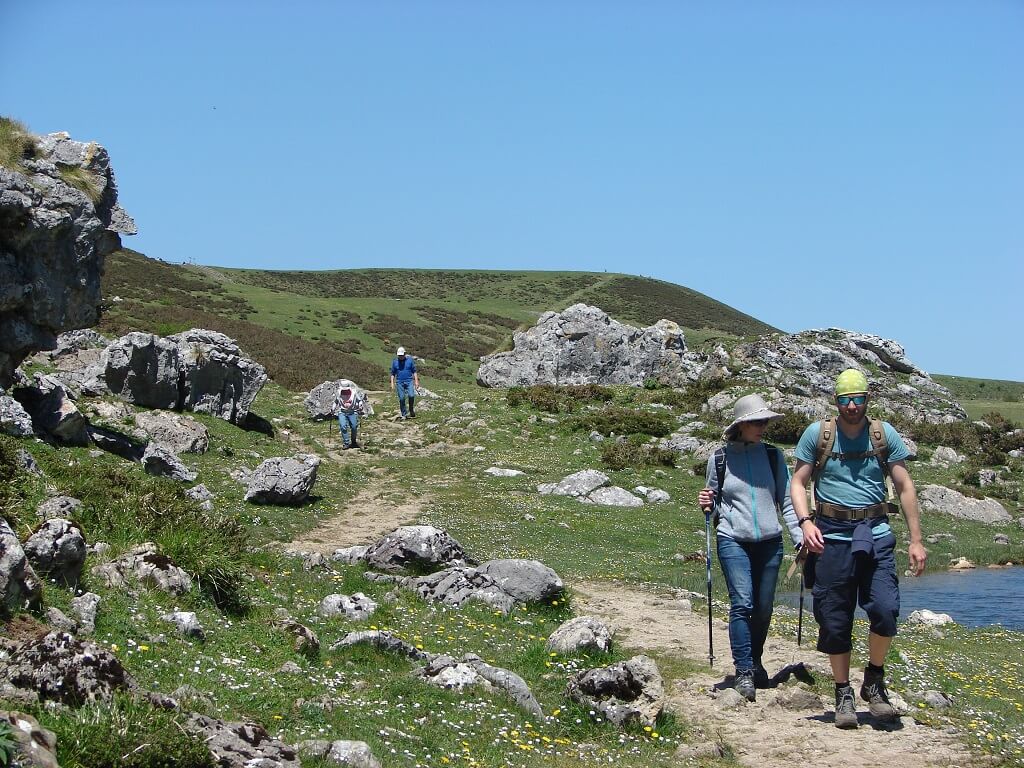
x: 400, y: 352
x: 851, y: 382
x: 749, y: 408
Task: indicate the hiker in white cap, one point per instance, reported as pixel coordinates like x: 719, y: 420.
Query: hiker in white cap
x: 747, y: 486
x: 404, y: 382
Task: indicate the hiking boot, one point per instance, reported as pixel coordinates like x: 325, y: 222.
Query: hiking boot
x: 874, y: 693
x: 344, y: 447
x: 761, y: 678
x: 846, y: 707
x: 412, y: 414
x: 744, y: 684
x: 355, y: 445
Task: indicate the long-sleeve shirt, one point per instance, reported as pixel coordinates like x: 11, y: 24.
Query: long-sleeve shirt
x: 746, y: 506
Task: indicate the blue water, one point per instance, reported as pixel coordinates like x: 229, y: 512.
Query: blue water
x: 976, y: 598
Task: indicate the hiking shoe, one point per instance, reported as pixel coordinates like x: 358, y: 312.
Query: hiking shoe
x: 355, y: 445
x: 744, y: 684
x: 874, y: 693
x: 344, y: 447
x: 761, y: 678
x: 846, y: 707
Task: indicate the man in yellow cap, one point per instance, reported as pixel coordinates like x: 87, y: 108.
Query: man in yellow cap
x: 848, y: 538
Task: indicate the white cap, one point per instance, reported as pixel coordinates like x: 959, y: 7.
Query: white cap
x: 401, y: 351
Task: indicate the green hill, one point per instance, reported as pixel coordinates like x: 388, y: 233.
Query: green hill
x: 310, y: 326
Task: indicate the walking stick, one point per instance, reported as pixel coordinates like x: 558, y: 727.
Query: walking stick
x: 707, y: 561
x: 800, y: 613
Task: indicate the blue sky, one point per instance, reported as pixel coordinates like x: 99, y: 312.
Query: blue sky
x: 813, y: 164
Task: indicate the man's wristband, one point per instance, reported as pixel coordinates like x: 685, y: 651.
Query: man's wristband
x: 801, y: 520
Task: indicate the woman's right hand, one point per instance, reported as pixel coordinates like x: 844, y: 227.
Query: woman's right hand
x: 706, y: 499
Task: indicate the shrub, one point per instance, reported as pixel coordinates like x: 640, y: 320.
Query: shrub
x: 552, y: 399
x: 625, y: 421
x: 620, y: 455
x: 16, y: 144
x: 124, y: 507
x: 787, y: 429
x: 8, y: 745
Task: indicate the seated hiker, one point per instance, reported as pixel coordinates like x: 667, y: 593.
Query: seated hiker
x: 349, y: 405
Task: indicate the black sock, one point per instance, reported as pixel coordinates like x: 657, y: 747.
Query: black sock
x: 879, y: 671
x: 841, y: 686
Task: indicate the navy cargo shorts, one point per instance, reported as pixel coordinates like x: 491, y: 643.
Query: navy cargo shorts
x: 844, y: 578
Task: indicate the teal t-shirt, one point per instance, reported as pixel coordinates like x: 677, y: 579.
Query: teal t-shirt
x: 853, y: 483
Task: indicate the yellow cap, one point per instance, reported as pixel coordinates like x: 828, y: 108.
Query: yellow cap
x: 851, y: 382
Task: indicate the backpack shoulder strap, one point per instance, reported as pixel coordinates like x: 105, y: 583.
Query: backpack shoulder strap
x: 720, y: 472
x: 879, y: 445
x: 826, y: 439
x: 773, y: 462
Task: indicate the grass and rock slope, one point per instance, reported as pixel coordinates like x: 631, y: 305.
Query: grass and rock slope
x: 632, y: 564
x: 636, y: 566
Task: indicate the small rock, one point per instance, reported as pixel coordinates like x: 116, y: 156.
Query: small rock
x: 730, y: 698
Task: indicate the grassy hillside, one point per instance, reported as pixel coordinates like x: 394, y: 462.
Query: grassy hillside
x: 981, y: 396
x: 310, y: 326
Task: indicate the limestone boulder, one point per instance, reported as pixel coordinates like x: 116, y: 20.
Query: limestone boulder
x: 36, y: 746
x: 179, y: 433
x: 527, y: 581
x: 242, y: 744
x: 581, y: 634
x: 147, y: 566
x: 57, y: 551
x: 216, y: 378
x: 938, y: 498
x: 142, y: 368
x: 62, y: 668
x: 14, y: 419
x: 161, y: 461
x: 583, y: 345
x: 414, y: 548
x: 283, y: 480
x: 629, y: 692
x: 53, y: 412
x: 19, y: 585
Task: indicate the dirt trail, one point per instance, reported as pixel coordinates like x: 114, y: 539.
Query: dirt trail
x: 763, y: 733
x: 381, y: 505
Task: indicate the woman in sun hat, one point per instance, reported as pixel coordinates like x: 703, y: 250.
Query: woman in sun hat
x: 748, y: 485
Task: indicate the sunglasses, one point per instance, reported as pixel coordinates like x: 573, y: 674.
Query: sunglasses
x: 855, y: 399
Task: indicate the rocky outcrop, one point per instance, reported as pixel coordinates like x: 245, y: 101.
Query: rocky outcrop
x: 145, y: 564
x: 583, y: 345
x: 179, y: 433
x: 938, y: 498
x: 19, y: 585
x: 59, y: 667
x: 160, y: 461
x: 52, y: 410
x: 591, y: 486
x: 198, y: 370
x: 799, y: 372
x: 242, y: 745
x: 416, y: 548
x: 57, y: 551
x: 283, y: 480
x: 583, y: 633
x: 629, y: 692
x: 14, y: 419
x: 54, y: 239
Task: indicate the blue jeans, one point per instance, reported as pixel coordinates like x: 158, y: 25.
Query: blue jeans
x: 751, y: 570
x: 405, y: 390
x: 348, y: 424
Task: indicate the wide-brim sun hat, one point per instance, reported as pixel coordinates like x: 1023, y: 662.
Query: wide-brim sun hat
x: 749, y: 408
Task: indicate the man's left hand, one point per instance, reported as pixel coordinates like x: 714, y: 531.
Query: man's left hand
x: 918, y: 555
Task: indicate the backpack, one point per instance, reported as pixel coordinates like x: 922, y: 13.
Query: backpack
x: 773, y: 461
x: 827, y: 438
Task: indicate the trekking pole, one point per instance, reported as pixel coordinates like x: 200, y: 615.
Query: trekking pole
x: 707, y: 561
x: 800, y: 613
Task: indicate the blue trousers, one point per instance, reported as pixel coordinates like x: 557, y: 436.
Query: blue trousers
x: 405, y: 391
x: 348, y: 425
x: 751, y: 570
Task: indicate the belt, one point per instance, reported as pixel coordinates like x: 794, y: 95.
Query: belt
x: 837, y: 512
